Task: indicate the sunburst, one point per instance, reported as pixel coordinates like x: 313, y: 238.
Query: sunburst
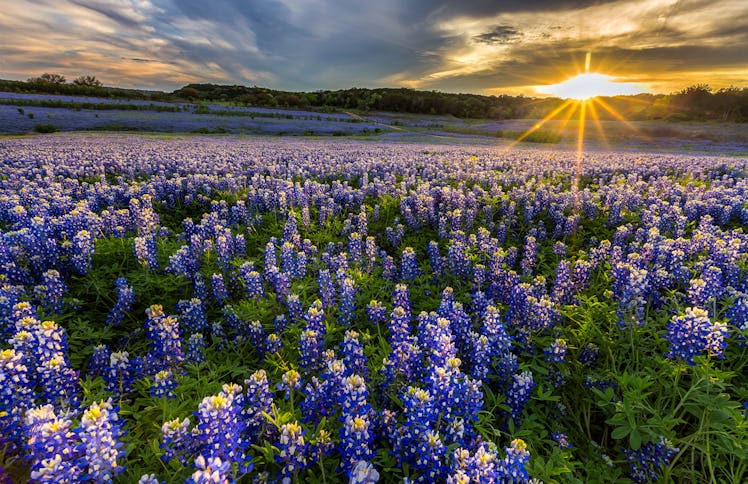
x: 582, y: 95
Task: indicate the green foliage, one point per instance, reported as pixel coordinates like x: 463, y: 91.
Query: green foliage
x: 218, y: 130
x: 534, y: 136
x: 45, y: 128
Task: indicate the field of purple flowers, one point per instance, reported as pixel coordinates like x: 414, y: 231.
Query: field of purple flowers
x: 211, y: 310
x: 25, y: 113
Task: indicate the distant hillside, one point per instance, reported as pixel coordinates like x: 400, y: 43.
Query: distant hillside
x: 697, y: 102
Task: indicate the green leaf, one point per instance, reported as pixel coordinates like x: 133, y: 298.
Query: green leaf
x: 635, y: 439
x: 620, y: 432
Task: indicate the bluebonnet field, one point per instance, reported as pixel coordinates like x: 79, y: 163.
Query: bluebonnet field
x: 220, y: 309
x: 22, y: 113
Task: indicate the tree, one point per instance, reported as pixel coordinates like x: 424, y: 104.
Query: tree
x: 87, y: 81
x: 694, y: 100
x: 48, y: 78
x: 188, y: 92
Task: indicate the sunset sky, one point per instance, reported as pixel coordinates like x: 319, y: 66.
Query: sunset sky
x: 486, y: 46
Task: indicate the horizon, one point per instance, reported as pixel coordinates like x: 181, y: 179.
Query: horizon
x: 535, y: 95
x: 517, y: 48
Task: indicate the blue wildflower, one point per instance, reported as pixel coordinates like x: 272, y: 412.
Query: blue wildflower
x: 195, y: 350
x: 648, y: 461
x: 519, y: 394
x: 347, y: 305
x: 192, y: 317
x: 52, y: 446
x: 326, y: 289
x: 125, y: 300
x: 221, y: 429
x: 177, y: 441
x: 376, y: 311
x: 293, y: 449
x: 212, y: 470
x: 145, y: 251
x: 100, y: 434
x: 83, y: 250
x: 562, y: 439
x: 353, y: 355
x: 693, y: 333
x: 409, y: 267
x: 163, y: 385
x: 219, y: 288
x: 556, y: 352
x: 252, y: 280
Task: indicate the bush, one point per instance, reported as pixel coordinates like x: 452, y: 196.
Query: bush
x: 45, y: 128
x: 204, y: 130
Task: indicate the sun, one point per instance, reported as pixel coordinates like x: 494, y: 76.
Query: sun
x: 590, y: 85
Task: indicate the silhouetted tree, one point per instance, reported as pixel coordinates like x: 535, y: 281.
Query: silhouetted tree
x: 90, y: 81
x: 48, y: 78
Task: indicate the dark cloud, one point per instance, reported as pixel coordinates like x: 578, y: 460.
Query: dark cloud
x: 137, y: 59
x: 501, y: 34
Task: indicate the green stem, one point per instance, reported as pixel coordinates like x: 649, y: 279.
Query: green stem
x: 322, y: 468
x: 633, y: 348
x: 683, y: 400
x: 706, y: 416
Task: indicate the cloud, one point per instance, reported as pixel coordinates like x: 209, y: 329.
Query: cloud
x: 501, y: 34
x: 465, y: 46
x: 553, y: 44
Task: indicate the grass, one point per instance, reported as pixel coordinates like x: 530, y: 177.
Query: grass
x: 536, y: 136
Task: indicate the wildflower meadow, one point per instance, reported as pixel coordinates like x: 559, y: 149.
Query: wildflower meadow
x: 225, y: 309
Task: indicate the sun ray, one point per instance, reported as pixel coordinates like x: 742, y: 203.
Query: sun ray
x: 582, y: 93
x: 565, y: 120
x: 619, y: 117
x: 596, y: 118
x: 538, y: 125
x: 580, y: 147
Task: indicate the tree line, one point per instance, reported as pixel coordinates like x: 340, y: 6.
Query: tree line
x: 698, y: 102
x: 81, y: 86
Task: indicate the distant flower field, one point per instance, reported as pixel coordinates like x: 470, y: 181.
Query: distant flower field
x: 24, y: 113
x: 219, y: 309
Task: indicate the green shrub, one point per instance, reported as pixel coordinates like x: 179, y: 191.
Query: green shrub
x: 45, y: 128
x: 218, y: 130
